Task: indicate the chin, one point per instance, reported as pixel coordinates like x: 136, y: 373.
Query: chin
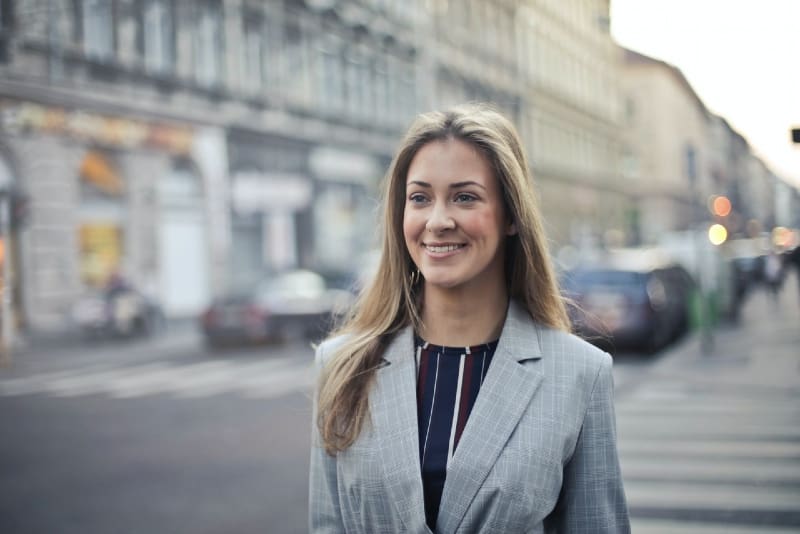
x: 442, y: 283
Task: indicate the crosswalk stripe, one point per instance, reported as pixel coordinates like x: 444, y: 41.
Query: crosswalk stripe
x: 679, y: 494
x: 713, y: 468
x: 658, y: 526
x: 730, y: 449
x: 253, y: 378
x: 710, y: 451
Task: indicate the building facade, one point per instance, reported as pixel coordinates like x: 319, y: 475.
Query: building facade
x: 195, y: 146
x: 667, y: 140
x: 568, y: 65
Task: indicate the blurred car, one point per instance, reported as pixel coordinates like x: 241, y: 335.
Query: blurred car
x: 293, y: 304
x: 641, y: 308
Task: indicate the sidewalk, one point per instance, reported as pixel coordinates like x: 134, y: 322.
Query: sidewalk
x: 56, y: 354
x: 709, y: 443
x: 761, y: 351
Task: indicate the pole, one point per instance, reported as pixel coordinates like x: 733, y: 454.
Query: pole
x: 6, y: 291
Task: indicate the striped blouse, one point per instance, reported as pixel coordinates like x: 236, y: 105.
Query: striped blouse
x: 448, y: 381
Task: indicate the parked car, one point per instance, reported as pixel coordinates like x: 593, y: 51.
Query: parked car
x: 641, y: 308
x: 288, y: 305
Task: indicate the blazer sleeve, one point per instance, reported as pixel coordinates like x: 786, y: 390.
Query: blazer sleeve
x: 324, y: 512
x: 592, y: 499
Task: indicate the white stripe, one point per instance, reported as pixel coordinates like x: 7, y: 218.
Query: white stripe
x: 454, y: 422
x: 483, y: 362
x: 430, y: 416
x: 417, y: 356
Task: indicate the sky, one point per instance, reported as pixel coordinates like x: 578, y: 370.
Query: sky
x: 742, y: 57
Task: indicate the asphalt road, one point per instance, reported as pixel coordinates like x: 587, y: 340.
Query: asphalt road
x: 164, y: 436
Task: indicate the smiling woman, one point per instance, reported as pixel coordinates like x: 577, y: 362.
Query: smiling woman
x: 454, y: 397
x: 454, y: 224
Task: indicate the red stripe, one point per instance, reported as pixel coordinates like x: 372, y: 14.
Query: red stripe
x: 463, y: 402
x: 423, y: 374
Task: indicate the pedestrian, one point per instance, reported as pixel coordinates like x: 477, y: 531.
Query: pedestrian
x: 794, y: 259
x: 454, y: 397
x: 773, y: 274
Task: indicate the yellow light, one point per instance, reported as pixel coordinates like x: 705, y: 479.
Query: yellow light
x: 722, y: 206
x: 717, y: 234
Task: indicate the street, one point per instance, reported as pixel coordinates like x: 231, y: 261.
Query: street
x: 163, y: 435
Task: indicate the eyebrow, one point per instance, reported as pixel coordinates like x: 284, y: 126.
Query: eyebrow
x: 455, y: 185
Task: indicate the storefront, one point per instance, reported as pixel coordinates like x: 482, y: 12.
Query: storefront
x: 271, y: 198
x: 109, y: 195
x: 345, y: 207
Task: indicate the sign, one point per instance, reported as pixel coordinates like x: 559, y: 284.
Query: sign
x: 95, y: 128
x: 254, y: 191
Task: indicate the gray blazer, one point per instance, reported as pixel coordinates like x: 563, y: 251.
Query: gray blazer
x: 538, y: 453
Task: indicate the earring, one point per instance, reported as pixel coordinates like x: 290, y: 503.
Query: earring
x: 414, y: 277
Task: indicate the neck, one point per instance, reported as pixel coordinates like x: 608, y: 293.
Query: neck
x: 463, y: 318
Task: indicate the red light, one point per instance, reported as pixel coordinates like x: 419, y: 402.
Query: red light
x: 722, y: 206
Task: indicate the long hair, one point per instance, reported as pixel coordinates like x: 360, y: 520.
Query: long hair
x: 391, y: 301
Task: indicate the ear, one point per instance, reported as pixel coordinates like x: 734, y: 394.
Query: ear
x: 511, y: 229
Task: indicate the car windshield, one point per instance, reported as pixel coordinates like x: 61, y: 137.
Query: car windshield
x: 302, y: 284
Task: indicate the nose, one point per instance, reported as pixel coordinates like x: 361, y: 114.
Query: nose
x: 439, y: 220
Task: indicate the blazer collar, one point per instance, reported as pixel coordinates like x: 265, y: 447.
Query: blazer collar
x: 505, y: 393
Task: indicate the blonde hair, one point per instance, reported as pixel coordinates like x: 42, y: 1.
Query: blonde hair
x: 391, y: 301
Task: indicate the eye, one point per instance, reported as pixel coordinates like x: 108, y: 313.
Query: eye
x: 417, y: 198
x: 465, y: 197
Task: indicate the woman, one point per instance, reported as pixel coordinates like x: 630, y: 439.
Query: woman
x: 454, y: 397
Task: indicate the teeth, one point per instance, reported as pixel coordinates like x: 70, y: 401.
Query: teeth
x: 443, y: 248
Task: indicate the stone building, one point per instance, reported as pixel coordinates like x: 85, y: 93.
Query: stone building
x: 569, y: 69
x: 666, y: 146
x: 195, y: 146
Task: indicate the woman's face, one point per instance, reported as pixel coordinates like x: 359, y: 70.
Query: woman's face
x: 454, y: 222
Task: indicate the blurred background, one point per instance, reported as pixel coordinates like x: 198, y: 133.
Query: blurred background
x: 188, y: 196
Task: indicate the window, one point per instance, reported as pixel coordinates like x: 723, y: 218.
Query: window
x: 98, y: 28
x: 208, y: 43
x: 331, y: 84
x: 158, y: 32
x: 297, y: 62
x: 255, y: 50
x: 356, y: 85
x: 6, y: 15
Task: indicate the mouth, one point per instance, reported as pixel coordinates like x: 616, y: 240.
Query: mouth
x: 443, y: 247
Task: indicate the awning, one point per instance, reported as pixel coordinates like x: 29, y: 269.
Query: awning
x: 96, y: 170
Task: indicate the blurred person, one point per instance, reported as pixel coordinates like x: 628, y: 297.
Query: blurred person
x: 454, y: 396
x: 794, y: 259
x: 773, y: 270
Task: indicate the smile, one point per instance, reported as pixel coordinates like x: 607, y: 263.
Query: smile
x: 438, y: 249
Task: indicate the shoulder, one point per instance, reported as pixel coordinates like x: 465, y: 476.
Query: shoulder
x: 325, y: 350
x: 566, y: 354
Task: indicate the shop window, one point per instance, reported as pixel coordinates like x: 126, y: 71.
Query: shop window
x: 100, y: 251
x: 100, y: 233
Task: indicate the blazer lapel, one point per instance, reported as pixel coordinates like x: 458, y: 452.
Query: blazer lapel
x: 504, y: 396
x: 393, y: 412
